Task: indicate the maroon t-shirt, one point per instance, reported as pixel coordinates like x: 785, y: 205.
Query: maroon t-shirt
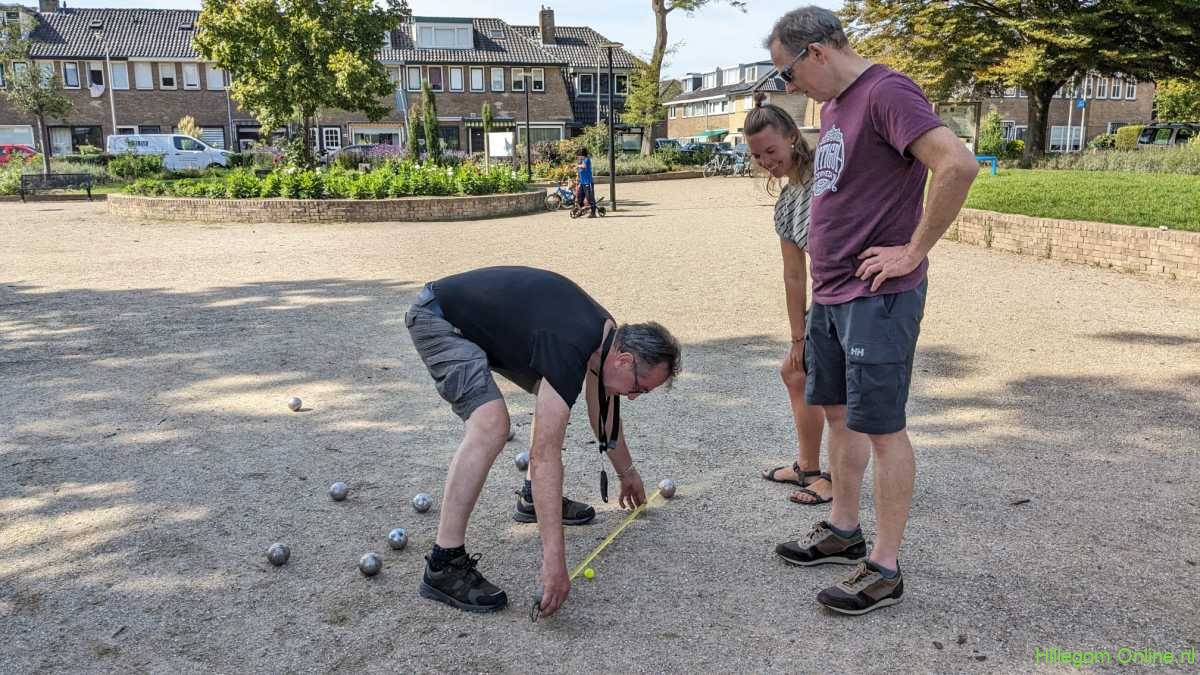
x: 867, y: 188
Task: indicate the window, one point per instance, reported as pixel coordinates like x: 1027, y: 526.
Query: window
x: 149, y: 129
x: 191, y: 76
x: 143, y: 75
x: 414, y: 78
x: 187, y: 143
x: 215, y: 78
x: 1008, y: 129
x: 603, y: 83
x: 449, y: 136
x: 1113, y: 126
x: 1183, y: 136
x: 20, y: 68
x: 671, y: 112
x: 332, y: 137
x: 477, y: 79
x: 587, y: 83
x: 748, y: 103
x: 126, y: 131
x: 539, y: 134
x: 443, y: 37
x: 710, y: 81
x: 518, y: 79
x: 456, y: 81
x: 1010, y: 92
x: 622, y: 84
x: 539, y: 79
x: 497, y: 79
x: 119, y: 75
x: 1130, y: 89
x: 166, y: 76
x: 1058, y: 139
x: 1089, y: 90
x: 3, y: 81
x: 70, y: 75
x: 314, y: 138
x: 434, y: 73
x: 95, y: 74
x: 1102, y: 87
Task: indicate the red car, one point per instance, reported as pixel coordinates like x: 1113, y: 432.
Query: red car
x: 16, y: 152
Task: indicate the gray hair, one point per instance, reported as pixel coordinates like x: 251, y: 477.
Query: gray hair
x: 801, y: 27
x: 651, y: 344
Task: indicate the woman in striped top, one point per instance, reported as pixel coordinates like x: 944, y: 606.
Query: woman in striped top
x: 777, y: 146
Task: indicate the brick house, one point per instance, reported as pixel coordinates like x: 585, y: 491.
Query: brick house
x: 713, y: 105
x: 586, y: 74
x: 156, y: 78
x: 1111, y: 102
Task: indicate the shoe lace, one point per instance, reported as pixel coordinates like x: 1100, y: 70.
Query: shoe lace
x: 860, y: 573
x: 467, y: 566
x: 813, y: 533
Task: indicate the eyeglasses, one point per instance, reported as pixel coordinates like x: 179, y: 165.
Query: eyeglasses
x: 786, y: 74
x: 637, y: 386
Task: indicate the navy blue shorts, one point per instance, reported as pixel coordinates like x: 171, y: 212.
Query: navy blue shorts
x: 860, y: 354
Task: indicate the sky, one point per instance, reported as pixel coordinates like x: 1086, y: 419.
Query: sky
x: 710, y: 38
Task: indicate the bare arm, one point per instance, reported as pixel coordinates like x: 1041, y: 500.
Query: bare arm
x: 546, y: 474
x: 954, y: 169
x: 795, y: 285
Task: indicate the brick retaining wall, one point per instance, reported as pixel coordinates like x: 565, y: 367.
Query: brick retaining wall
x: 1173, y: 254
x: 326, y: 210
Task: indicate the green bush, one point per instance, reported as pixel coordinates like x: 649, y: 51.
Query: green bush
x: 310, y: 185
x: 633, y: 166
x: 991, y: 136
x: 270, y: 185
x: 1103, y: 142
x: 132, y: 167
x: 90, y: 150
x: 1127, y: 137
x: 10, y: 178
x: 241, y: 184
x: 1014, y: 150
x: 670, y: 156
x: 1181, y: 159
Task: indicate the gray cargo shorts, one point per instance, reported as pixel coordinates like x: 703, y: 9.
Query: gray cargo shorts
x: 860, y: 354
x: 458, y: 366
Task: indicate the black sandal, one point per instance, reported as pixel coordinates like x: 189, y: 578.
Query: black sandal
x: 770, y: 475
x: 812, y: 493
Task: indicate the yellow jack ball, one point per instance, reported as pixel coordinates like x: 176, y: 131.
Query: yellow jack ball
x: 589, y: 573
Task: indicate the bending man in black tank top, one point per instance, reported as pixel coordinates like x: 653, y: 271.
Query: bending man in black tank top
x: 548, y: 336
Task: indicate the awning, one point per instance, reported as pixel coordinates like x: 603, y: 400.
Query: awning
x: 496, y: 123
x: 712, y: 132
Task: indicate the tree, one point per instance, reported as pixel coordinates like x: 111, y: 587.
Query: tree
x: 187, y: 127
x: 414, y: 134
x: 966, y: 47
x: 33, y: 90
x: 433, y: 146
x: 488, y: 120
x: 991, y: 135
x: 654, y: 69
x: 643, y: 106
x: 288, y: 59
x: 1177, y: 101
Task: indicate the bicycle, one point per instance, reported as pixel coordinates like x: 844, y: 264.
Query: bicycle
x: 718, y: 165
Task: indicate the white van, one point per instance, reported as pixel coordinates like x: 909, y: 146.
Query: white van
x: 179, y: 152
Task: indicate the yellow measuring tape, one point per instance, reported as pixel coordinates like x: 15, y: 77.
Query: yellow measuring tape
x: 535, y: 612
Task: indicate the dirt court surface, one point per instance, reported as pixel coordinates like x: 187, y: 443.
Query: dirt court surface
x: 148, y: 459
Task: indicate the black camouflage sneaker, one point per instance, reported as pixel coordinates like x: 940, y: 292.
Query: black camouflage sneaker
x: 460, y: 585
x: 863, y: 591
x: 823, y: 546
x: 573, y: 513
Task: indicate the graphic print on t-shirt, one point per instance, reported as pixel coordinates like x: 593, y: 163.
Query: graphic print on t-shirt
x: 830, y: 158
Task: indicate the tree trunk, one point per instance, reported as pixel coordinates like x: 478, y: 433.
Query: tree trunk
x: 44, y: 135
x: 1040, y: 96
x: 487, y: 150
x: 656, y: 60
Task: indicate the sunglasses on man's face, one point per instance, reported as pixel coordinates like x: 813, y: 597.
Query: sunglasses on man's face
x: 786, y: 74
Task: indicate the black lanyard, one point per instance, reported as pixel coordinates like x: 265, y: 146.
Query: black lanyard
x: 607, y: 441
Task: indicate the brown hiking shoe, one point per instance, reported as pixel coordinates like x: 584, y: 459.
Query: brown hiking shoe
x: 823, y: 546
x: 866, y: 589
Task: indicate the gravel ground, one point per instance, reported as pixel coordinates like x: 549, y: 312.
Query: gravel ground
x: 147, y: 458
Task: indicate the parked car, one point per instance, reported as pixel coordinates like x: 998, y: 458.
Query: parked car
x: 1161, y: 134
x: 666, y: 143
x: 179, y: 152
x: 16, y: 152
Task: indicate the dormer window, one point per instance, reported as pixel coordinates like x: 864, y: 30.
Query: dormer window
x: 495, y: 34
x: 443, y: 36
x: 96, y: 24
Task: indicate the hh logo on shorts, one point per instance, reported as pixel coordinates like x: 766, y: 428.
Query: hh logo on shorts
x: 830, y: 158
x: 858, y: 352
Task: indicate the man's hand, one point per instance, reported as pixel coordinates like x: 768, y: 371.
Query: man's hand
x: 795, y: 355
x: 556, y: 586
x: 633, y: 491
x: 886, y: 262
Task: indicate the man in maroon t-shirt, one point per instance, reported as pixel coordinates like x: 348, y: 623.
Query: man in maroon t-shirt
x: 868, y: 239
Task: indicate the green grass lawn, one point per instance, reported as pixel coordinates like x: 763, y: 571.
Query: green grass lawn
x: 1147, y: 199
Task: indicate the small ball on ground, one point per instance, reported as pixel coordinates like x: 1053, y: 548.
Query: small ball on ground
x: 370, y: 564
x: 338, y: 491
x: 522, y: 461
x: 397, y: 539
x: 666, y: 488
x: 589, y: 573
x: 422, y: 502
x: 294, y: 404
x: 278, y: 554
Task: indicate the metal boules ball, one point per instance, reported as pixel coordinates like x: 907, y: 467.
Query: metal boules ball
x: 370, y: 564
x: 522, y: 461
x: 278, y: 554
x: 294, y: 404
x: 538, y: 594
x: 666, y: 488
x: 338, y: 491
x: 422, y: 502
x: 397, y: 539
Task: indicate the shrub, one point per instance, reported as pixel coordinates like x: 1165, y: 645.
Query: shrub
x: 241, y: 184
x: 131, y: 167
x: 991, y: 136
x: 630, y: 166
x: 10, y: 178
x: 1103, y: 142
x: 90, y: 150
x: 1014, y: 150
x: 669, y: 155
x: 1127, y: 137
x: 271, y: 185
x: 1183, y: 159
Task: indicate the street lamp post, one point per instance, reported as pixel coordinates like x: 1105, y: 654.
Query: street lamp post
x: 112, y: 104
x: 612, y: 141
x: 527, y: 82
